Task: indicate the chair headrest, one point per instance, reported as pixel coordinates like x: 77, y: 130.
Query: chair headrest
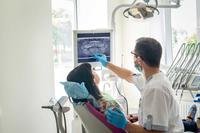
x: 75, y: 90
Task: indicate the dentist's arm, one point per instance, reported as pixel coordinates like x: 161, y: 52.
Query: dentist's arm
x: 134, y: 128
x: 121, y: 72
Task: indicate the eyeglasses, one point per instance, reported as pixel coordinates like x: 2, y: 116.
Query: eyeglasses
x: 136, y: 55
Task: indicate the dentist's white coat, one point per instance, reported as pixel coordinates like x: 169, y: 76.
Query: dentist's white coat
x: 158, y: 101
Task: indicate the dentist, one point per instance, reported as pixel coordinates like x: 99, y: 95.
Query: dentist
x: 158, y: 109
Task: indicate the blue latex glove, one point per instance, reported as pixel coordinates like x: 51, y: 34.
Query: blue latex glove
x: 116, y: 117
x: 101, y: 58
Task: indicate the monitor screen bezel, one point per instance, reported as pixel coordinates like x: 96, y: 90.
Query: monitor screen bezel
x: 75, y: 45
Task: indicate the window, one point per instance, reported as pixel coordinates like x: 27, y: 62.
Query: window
x: 92, y: 14
x: 184, y: 24
x: 62, y: 29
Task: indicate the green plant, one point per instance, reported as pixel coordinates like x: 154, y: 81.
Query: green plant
x: 191, y: 44
x: 192, y: 40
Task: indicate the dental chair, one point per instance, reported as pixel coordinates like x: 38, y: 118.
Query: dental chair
x: 93, y: 120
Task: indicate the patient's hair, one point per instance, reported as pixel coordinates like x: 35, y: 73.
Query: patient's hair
x: 83, y: 73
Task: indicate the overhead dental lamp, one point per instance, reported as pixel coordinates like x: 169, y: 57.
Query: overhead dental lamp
x: 141, y: 10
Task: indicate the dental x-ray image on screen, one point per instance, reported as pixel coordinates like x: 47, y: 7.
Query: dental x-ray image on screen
x: 92, y: 42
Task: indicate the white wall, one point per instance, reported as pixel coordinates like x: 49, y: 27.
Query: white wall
x: 112, y: 4
x: 26, y: 66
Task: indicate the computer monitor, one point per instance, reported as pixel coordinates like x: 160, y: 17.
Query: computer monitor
x: 89, y: 42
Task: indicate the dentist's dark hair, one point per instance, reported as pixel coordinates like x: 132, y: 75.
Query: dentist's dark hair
x: 83, y: 73
x: 149, y: 50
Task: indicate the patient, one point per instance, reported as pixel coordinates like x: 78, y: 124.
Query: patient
x: 189, y: 123
x: 84, y: 73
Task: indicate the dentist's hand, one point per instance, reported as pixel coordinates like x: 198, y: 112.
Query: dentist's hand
x: 132, y: 118
x: 116, y: 118
x: 101, y: 58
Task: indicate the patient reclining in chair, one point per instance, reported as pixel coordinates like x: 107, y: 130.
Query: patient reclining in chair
x: 87, y: 78
x: 89, y: 103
